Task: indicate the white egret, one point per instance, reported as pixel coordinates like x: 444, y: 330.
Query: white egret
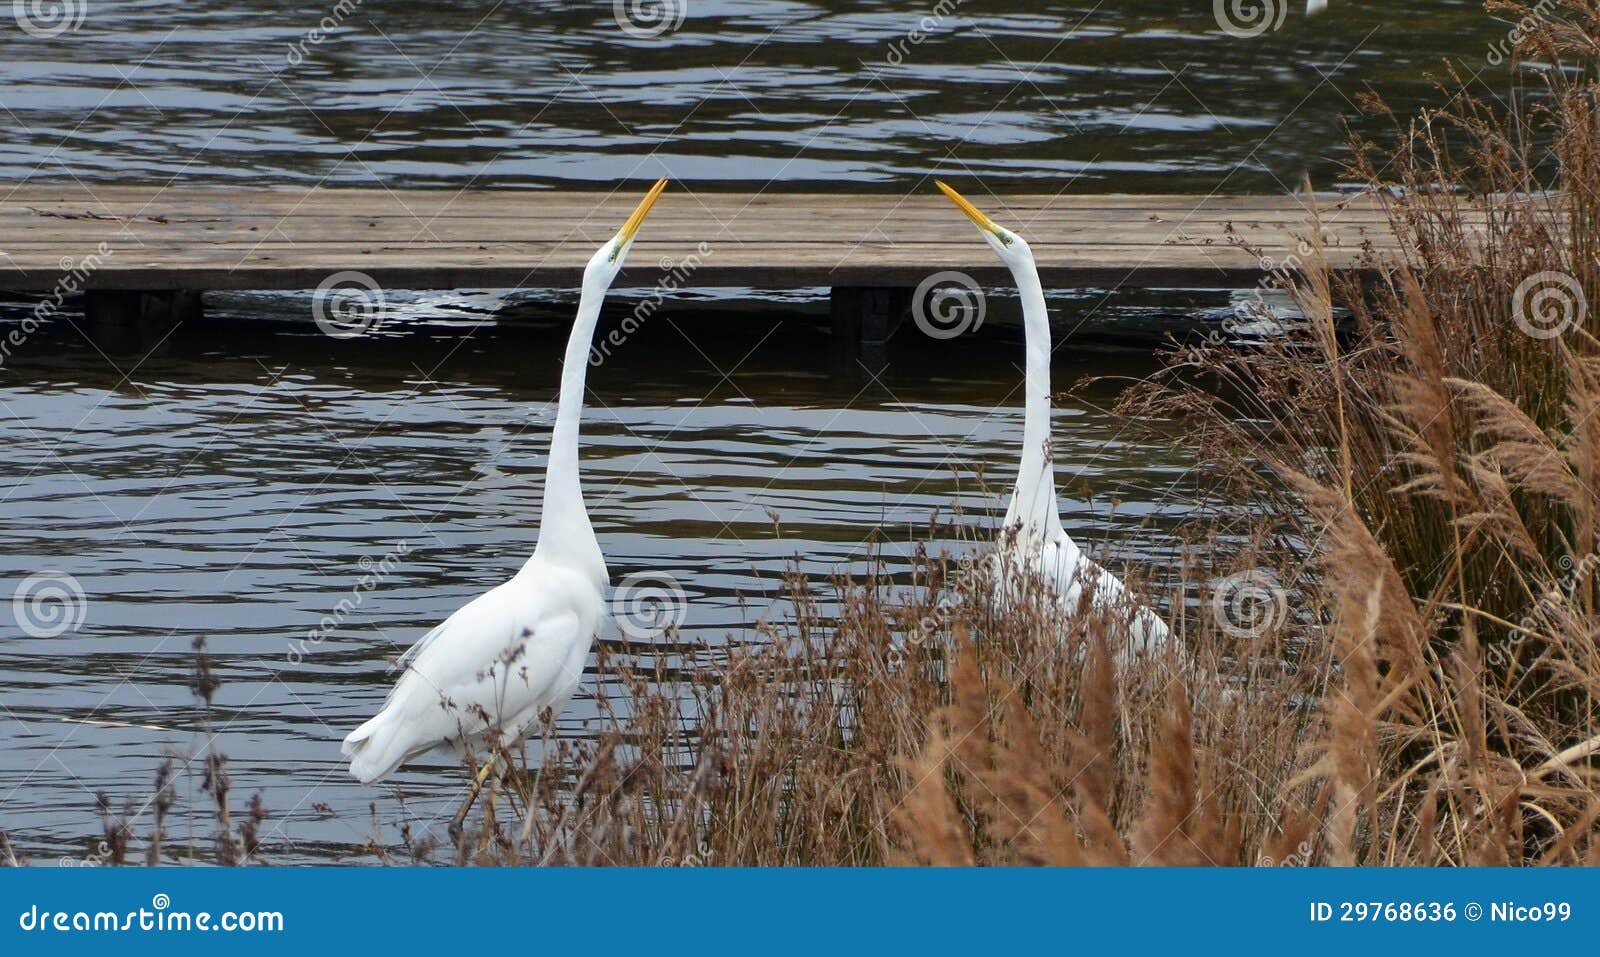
x: 1033, y: 541
x: 485, y: 675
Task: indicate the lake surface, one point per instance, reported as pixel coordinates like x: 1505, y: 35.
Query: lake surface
x: 241, y: 487
x: 1133, y: 95
x: 243, y: 498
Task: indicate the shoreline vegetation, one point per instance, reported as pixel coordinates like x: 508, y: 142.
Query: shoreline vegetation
x: 1410, y: 676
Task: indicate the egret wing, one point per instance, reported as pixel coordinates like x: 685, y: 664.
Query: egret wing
x: 496, y: 662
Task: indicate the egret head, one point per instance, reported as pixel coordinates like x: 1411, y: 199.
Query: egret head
x: 1008, y: 245
x: 607, y: 260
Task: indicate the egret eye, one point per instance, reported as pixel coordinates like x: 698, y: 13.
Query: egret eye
x: 616, y: 250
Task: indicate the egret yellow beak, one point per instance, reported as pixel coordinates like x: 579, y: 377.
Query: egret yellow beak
x: 632, y: 225
x: 973, y: 213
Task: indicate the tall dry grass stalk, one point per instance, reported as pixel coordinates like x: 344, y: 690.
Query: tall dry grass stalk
x: 1436, y: 454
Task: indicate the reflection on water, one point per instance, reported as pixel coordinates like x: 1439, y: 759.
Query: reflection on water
x: 1134, y: 95
x: 243, y: 499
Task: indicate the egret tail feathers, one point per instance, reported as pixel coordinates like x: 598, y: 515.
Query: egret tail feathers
x: 377, y: 748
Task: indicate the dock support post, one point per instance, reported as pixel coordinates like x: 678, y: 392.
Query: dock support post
x: 864, y: 317
x: 121, y: 320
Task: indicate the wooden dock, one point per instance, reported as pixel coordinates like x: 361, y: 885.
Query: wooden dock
x: 169, y: 244
x: 283, y: 238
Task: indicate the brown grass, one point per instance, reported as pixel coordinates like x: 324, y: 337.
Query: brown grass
x: 920, y: 725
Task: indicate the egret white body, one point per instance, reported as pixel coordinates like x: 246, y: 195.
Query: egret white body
x: 492, y: 668
x: 1033, y: 542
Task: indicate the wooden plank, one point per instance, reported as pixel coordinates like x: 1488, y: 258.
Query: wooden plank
x: 861, y: 218
x: 20, y: 193
x: 285, y: 237
x: 719, y: 208
x: 1029, y: 222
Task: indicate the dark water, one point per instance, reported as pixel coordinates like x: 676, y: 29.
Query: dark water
x: 242, y: 499
x: 1132, y: 95
x: 241, y: 490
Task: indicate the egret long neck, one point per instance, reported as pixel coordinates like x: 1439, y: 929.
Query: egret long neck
x: 1034, y: 502
x: 564, y: 522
